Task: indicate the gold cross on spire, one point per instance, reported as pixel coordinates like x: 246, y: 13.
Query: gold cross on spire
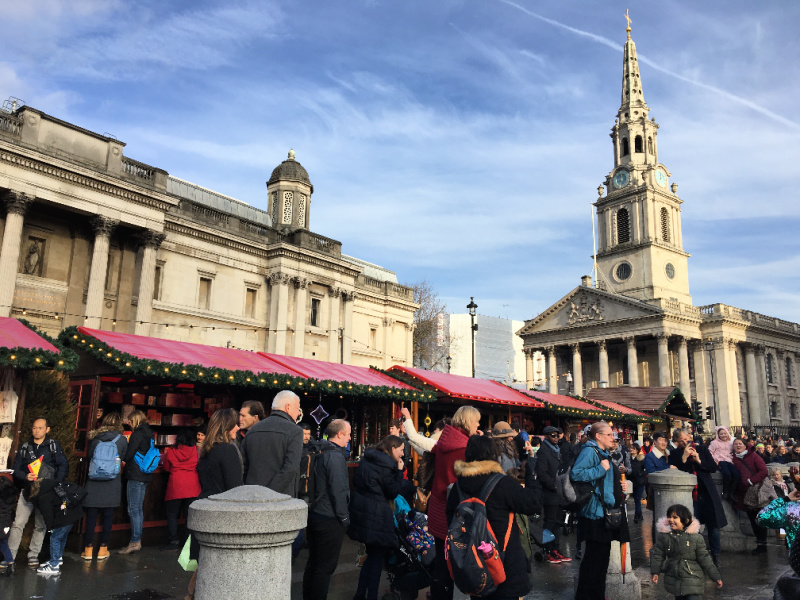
x: 628, y: 19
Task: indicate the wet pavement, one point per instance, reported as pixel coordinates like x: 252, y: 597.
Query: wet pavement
x: 153, y: 574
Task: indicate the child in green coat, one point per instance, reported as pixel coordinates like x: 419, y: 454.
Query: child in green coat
x: 680, y: 553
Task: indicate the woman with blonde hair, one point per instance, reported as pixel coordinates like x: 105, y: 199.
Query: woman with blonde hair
x: 450, y: 448
x: 103, y: 496
x: 139, y: 441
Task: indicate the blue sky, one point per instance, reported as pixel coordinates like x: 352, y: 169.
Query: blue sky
x: 458, y: 142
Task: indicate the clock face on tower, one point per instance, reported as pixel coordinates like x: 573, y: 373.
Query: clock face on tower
x: 661, y: 177
x: 621, y: 179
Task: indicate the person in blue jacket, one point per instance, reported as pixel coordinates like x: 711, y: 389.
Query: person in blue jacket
x: 594, y: 465
x: 656, y: 460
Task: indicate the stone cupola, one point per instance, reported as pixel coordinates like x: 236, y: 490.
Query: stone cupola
x: 290, y: 189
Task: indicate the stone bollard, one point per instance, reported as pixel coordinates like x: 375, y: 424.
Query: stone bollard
x: 245, y: 537
x: 669, y: 487
x: 618, y: 585
x: 731, y: 537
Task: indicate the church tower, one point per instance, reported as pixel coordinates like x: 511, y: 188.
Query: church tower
x: 640, y: 246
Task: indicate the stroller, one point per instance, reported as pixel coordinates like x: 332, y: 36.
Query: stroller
x: 539, y: 536
x: 409, y: 570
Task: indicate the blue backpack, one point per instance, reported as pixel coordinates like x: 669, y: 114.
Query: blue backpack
x: 105, y: 463
x: 148, y: 462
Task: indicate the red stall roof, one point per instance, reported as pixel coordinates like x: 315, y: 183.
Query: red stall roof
x: 467, y: 388
x: 625, y: 410
x: 170, y: 351
x: 320, y: 369
x: 563, y: 401
x: 16, y: 336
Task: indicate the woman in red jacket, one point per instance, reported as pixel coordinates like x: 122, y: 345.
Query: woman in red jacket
x: 448, y: 449
x: 752, y: 470
x: 183, y: 486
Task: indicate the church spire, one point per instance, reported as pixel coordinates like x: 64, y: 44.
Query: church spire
x: 632, y: 94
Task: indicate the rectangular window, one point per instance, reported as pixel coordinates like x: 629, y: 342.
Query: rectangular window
x: 373, y: 338
x: 157, y: 285
x: 250, y: 303
x: 315, y: 302
x: 204, y: 296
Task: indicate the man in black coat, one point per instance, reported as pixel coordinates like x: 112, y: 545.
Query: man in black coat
x: 708, y: 507
x: 272, y: 449
x: 329, y: 513
x: 54, y: 466
x: 548, y: 461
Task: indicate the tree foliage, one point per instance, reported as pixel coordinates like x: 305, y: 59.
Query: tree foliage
x: 428, y: 353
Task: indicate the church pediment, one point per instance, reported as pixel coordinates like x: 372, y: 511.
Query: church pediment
x: 587, y: 306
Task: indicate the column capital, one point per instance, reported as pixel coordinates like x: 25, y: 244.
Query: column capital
x: 683, y: 340
x: 348, y: 296
x: 334, y: 292
x: 630, y: 341
x: 103, y: 226
x: 549, y: 350
x: 300, y: 283
x: 575, y: 347
x: 662, y: 337
x: 278, y: 278
x: 150, y: 238
x: 388, y: 322
x: 17, y: 203
x: 601, y: 345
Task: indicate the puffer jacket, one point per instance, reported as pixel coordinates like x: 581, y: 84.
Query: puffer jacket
x: 683, y: 558
x: 377, y: 482
x: 450, y: 448
x: 181, y: 462
x: 638, y: 474
x: 721, y: 451
x: 105, y: 494
x: 752, y: 470
x: 548, y: 461
x: 507, y: 498
x: 138, y: 442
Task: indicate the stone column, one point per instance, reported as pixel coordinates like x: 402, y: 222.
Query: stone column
x: 150, y: 241
x: 603, y: 356
x: 633, y: 362
x: 245, y: 537
x: 664, y: 377
x: 410, y: 327
x: 348, y: 298
x: 669, y: 487
x: 103, y: 228
x: 683, y: 366
x: 279, y: 311
x: 388, y: 327
x: 528, y: 352
x: 761, y: 367
x: 577, y: 370
x: 552, y: 376
x: 17, y: 205
x: 754, y: 401
x: 300, y: 299
x: 727, y: 383
x: 731, y: 536
x: 334, y: 352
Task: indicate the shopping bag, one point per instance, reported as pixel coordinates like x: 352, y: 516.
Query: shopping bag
x: 188, y: 564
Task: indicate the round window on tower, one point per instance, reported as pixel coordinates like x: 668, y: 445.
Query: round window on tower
x: 623, y: 271
x: 670, y: 270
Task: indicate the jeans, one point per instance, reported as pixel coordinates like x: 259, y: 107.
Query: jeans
x: 91, y: 521
x: 552, y: 522
x: 638, y: 493
x: 24, y: 510
x: 760, y: 532
x: 136, y: 490
x: 592, y: 574
x: 714, y: 543
x: 58, y: 541
x: 369, y: 580
x: 730, y: 476
x: 6, y: 551
x: 325, y: 536
x: 174, y: 508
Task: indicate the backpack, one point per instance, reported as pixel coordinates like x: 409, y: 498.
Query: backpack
x: 70, y: 494
x: 306, y: 487
x: 149, y: 461
x: 105, y: 463
x: 473, y: 555
x: 573, y: 495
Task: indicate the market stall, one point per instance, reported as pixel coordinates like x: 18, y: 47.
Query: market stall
x: 569, y: 413
x: 650, y: 408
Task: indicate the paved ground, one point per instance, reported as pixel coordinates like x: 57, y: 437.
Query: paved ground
x: 156, y: 575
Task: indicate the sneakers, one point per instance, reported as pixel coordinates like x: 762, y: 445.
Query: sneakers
x: 553, y: 557
x: 33, y: 563
x: 131, y: 548
x: 48, y: 569
x: 172, y: 545
x: 561, y: 557
x: 760, y: 549
x: 102, y: 553
x: 87, y: 553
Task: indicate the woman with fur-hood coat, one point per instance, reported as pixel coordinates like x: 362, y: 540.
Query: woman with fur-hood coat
x: 507, y: 499
x: 683, y: 558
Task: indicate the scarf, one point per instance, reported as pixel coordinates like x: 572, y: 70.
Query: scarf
x: 741, y: 455
x: 556, y: 449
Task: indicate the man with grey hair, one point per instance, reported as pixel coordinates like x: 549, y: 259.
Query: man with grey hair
x: 328, y: 515
x: 272, y: 448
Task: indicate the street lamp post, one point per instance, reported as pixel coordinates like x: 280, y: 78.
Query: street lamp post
x: 472, y: 307
x: 709, y: 346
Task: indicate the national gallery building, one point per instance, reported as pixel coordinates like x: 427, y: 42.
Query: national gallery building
x: 92, y: 237
x: 637, y: 325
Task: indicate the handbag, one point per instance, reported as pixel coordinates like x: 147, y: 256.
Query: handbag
x: 760, y: 494
x: 421, y: 500
x: 188, y: 564
x: 612, y: 517
x: 425, y: 470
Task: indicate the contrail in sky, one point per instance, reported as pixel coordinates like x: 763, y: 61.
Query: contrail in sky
x: 611, y: 44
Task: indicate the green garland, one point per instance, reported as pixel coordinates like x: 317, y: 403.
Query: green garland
x: 580, y: 413
x: 622, y: 416
x: 38, y: 358
x: 132, y: 365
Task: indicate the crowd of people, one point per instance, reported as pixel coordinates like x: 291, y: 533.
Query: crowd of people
x: 525, y: 506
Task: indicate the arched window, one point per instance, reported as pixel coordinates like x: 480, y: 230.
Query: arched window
x: 650, y: 145
x: 770, y: 369
x: 623, y: 226
x: 664, y: 225
x: 637, y: 144
x: 625, y: 149
x: 789, y: 380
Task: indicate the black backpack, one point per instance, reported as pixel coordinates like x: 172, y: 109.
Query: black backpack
x: 574, y: 495
x: 70, y: 494
x: 307, y: 488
